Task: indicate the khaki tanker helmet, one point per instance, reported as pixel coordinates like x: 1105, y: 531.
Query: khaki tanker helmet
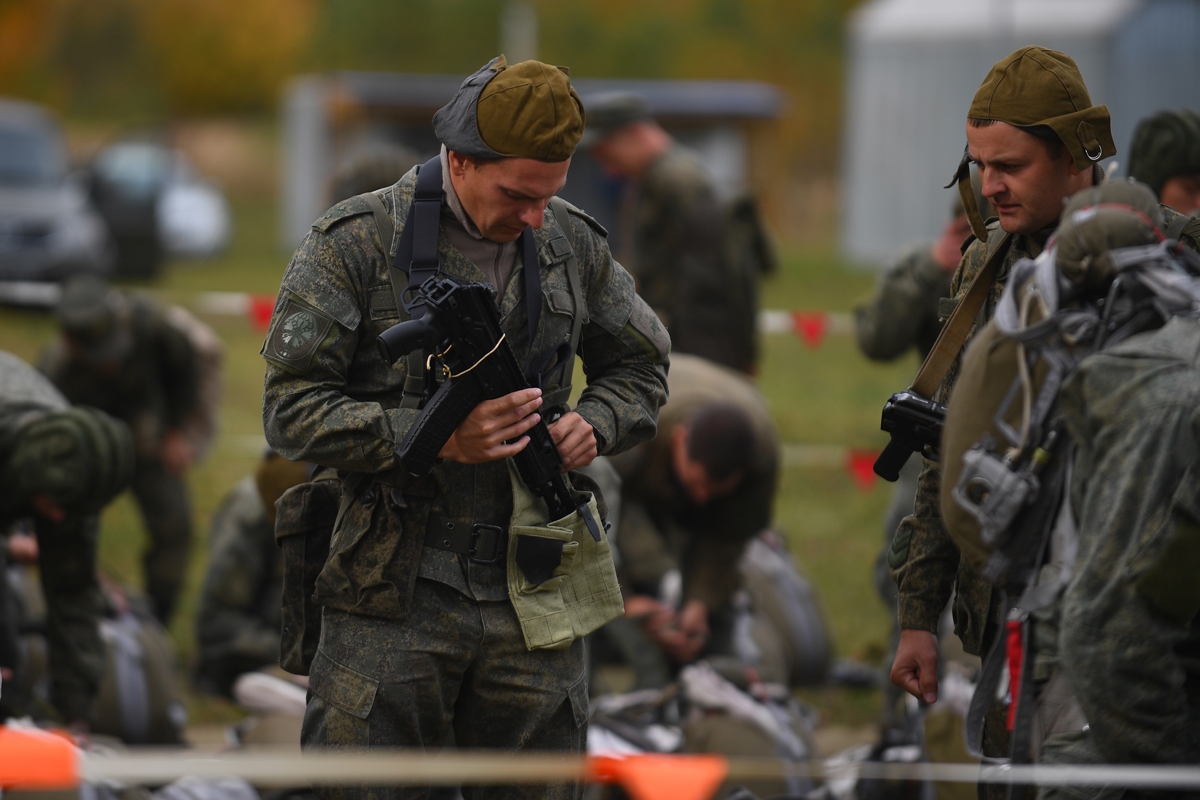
x: 1036, y: 87
x: 528, y: 110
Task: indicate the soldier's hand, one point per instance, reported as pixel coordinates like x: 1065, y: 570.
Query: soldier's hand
x: 915, y: 667
x: 176, y: 452
x: 482, y: 436
x: 576, y: 440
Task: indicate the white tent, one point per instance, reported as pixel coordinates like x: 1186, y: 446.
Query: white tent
x: 914, y: 66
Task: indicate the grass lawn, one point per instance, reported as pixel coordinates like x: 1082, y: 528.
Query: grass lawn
x: 828, y: 396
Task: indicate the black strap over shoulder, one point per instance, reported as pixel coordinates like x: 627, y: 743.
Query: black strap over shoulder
x: 417, y: 249
x: 417, y: 253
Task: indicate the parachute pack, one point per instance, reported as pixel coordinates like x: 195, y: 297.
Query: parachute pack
x: 1108, y: 274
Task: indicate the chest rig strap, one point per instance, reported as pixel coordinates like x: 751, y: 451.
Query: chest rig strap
x: 418, y: 248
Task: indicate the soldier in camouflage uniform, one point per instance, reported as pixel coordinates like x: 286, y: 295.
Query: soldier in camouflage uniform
x: 1128, y: 629
x: 903, y: 314
x: 419, y: 640
x: 237, y: 626
x: 692, y: 500
x: 1166, y: 157
x: 678, y: 227
x: 59, y: 466
x: 119, y: 353
x: 1036, y: 140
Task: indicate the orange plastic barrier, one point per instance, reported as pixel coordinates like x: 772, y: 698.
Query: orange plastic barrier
x: 661, y: 777
x: 35, y: 759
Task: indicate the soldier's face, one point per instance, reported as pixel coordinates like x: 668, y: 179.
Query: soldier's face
x: 1024, y: 184
x: 506, y: 196
x: 1182, y: 193
x: 700, y: 487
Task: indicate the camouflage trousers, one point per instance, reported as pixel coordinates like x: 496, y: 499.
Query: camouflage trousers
x: 454, y: 666
x: 163, y: 499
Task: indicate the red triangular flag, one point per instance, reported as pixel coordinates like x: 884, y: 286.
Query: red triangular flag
x: 259, y: 310
x: 861, y: 466
x: 810, y: 326
x: 662, y: 777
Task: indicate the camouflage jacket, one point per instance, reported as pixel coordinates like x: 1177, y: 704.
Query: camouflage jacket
x: 904, y: 311
x: 661, y: 528
x: 925, y: 562
x: 331, y: 399
x: 1129, y: 628
x: 237, y: 626
x: 67, y: 558
x: 683, y: 265
x: 153, y: 389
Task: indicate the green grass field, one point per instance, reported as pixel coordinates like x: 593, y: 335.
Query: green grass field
x: 826, y: 396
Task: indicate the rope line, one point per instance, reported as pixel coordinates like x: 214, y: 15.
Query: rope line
x: 286, y: 767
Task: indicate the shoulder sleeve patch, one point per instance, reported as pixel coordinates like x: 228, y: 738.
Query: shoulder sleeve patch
x: 350, y: 207
x: 297, y: 332
x: 648, y: 328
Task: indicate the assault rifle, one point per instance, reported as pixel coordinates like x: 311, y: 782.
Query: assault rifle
x: 915, y: 425
x: 461, y: 329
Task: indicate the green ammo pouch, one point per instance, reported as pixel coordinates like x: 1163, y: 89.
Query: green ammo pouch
x: 562, y: 582
x: 304, y: 521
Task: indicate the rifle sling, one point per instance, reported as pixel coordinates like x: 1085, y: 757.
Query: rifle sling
x: 954, y: 333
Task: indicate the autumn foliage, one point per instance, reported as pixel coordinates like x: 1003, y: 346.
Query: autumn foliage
x: 121, y: 59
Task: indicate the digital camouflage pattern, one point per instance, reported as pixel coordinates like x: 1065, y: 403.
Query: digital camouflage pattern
x: 925, y: 562
x: 903, y: 313
x: 153, y: 389
x: 923, y: 559
x: 237, y: 626
x: 67, y: 561
x: 330, y: 398
x: 344, y: 411
x: 1128, y: 630
x: 661, y: 528
x: 407, y: 684
x: 683, y: 265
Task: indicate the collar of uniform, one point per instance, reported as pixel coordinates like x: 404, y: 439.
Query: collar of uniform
x: 452, y: 201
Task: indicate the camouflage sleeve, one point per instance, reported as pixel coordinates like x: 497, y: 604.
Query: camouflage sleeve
x: 77, y: 655
x: 1130, y: 615
x: 178, y: 370
x: 232, y: 634
x: 623, y: 346
x: 923, y: 559
x: 645, y: 554
x: 311, y: 410
x: 888, y: 324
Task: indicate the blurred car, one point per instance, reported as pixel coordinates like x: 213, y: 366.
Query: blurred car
x: 48, y: 229
x: 155, y: 204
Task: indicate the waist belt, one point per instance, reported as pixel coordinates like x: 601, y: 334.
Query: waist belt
x: 482, y: 542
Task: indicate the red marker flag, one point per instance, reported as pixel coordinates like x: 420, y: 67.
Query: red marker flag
x: 811, y: 327
x: 37, y: 759
x: 259, y: 308
x: 861, y: 466
x: 662, y: 777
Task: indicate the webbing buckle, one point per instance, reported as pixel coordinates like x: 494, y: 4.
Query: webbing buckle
x: 485, y: 539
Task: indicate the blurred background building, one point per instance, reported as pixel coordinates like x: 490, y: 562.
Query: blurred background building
x: 328, y: 118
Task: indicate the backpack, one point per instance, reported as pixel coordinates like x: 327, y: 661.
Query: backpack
x: 1007, y: 461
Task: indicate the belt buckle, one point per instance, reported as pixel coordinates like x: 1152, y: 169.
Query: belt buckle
x: 477, y: 531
